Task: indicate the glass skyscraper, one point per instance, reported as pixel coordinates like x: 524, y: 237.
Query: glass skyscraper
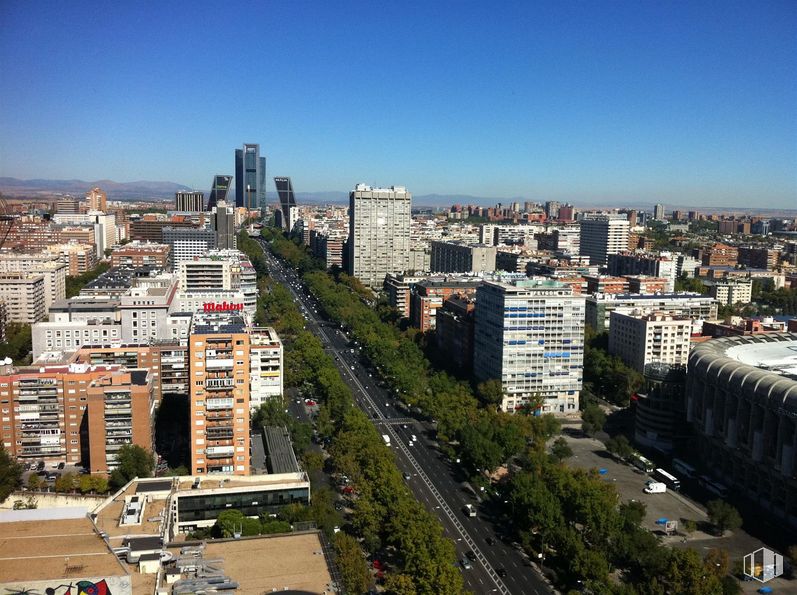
x: 221, y: 185
x: 250, y: 178
x: 287, y: 202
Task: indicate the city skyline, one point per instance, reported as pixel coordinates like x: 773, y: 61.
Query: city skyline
x: 548, y: 102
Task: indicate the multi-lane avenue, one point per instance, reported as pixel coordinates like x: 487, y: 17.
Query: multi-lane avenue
x: 494, y: 566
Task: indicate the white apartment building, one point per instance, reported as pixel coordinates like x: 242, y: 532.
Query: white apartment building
x: 49, y: 266
x: 104, y: 225
x: 265, y: 370
x: 603, y: 234
x: 529, y: 333
x: 599, y: 306
x: 568, y: 239
x: 145, y: 311
x: 641, y: 339
x: 187, y: 243
x: 72, y: 335
x: 379, y: 232
x: 24, y: 295
x: 493, y: 234
x: 731, y: 291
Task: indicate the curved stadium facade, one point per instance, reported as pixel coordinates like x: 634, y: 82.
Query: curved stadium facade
x: 741, y: 399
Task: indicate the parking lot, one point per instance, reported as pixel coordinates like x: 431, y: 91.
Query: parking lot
x: 590, y: 453
x: 49, y: 472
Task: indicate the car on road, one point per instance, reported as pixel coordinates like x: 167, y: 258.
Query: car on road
x: 465, y: 563
x: 500, y: 571
x: 470, y: 555
x: 407, y: 476
x: 490, y: 541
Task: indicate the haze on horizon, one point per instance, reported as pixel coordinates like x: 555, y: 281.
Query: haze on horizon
x: 682, y: 104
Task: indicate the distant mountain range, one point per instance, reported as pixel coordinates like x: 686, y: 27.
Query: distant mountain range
x: 164, y: 191
x: 140, y: 190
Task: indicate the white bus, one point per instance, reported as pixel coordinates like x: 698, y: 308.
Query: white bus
x: 684, y: 468
x: 667, y: 478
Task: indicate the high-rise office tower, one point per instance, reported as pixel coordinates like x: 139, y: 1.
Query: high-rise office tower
x: 250, y: 178
x: 221, y: 185
x: 603, y: 234
x: 287, y: 202
x: 189, y: 202
x: 97, y: 200
x: 379, y: 232
x: 658, y: 212
x: 529, y: 334
x: 223, y: 222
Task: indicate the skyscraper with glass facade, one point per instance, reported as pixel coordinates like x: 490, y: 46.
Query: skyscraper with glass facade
x: 250, y: 178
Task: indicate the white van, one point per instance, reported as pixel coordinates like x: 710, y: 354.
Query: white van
x: 655, y: 487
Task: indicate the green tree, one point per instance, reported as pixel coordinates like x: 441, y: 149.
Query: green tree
x: 400, y: 584
x: 560, y: 450
x: 99, y: 484
x: 134, y: 461
x: 271, y: 526
x: 10, y: 474
x: 632, y: 513
x: 65, y: 483
x: 687, y: 573
x: 85, y: 484
x: 723, y: 516
x: 491, y: 392
x: 34, y: 482
x: 18, y: 344
x: 686, y: 283
x: 620, y: 447
x: 351, y: 563
x: 230, y: 522
x: 593, y: 419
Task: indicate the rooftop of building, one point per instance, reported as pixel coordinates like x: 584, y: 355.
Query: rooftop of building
x: 54, y: 548
x: 648, y: 296
x: 109, y: 515
x: 218, y: 480
x: 219, y: 322
x: 89, y: 303
x: 280, y: 455
x: 294, y: 563
x: 779, y: 356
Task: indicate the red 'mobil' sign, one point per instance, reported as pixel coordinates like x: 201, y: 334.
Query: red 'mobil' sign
x: 221, y: 307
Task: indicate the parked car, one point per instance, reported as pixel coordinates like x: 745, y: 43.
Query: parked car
x: 465, y: 563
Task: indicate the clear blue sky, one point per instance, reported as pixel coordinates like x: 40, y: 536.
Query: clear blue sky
x: 680, y: 102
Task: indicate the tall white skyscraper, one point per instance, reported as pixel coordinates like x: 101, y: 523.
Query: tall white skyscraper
x: 658, y: 212
x: 603, y: 234
x: 529, y: 334
x: 379, y: 232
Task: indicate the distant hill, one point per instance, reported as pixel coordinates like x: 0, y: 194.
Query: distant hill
x: 116, y: 190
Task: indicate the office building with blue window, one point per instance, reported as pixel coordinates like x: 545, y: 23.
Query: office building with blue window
x: 529, y: 334
x: 250, y: 178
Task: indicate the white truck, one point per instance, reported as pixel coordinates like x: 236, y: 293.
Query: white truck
x: 655, y: 487
x: 469, y: 510
x: 386, y: 438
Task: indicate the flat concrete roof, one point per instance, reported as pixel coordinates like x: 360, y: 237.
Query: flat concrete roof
x: 295, y: 562
x: 58, y: 549
x: 779, y: 356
